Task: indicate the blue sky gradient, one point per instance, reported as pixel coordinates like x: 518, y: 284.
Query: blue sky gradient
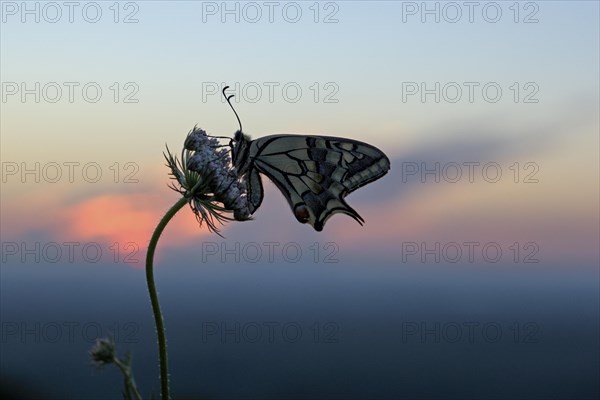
x: 360, y: 77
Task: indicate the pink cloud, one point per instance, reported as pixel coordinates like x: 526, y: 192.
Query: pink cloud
x: 105, y: 218
x: 130, y: 218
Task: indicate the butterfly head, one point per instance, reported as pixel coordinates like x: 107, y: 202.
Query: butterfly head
x: 238, y: 136
x: 233, y: 142
x: 239, y: 146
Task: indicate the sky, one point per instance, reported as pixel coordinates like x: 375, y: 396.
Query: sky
x: 369, y: 71
x: 488, y: 112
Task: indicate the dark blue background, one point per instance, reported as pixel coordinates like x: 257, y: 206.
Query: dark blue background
x: 385, y: 331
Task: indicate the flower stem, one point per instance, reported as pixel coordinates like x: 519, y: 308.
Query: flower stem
x: 130, y: 387
x: 160, y: 328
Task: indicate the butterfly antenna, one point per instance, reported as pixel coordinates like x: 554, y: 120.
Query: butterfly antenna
x: 227, y: 98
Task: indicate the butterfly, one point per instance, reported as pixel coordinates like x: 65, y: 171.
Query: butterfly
x: 314, y: 173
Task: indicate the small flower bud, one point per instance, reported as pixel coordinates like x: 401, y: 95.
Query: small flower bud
x: 103, y: 352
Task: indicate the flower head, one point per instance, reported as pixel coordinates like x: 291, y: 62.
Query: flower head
x: 208, y: 179
x: 103, y: 352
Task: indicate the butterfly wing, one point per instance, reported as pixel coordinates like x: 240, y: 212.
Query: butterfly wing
x: 255, y: 192
x: 314, y: 173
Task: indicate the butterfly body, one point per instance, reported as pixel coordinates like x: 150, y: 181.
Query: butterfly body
x: 314, y: 173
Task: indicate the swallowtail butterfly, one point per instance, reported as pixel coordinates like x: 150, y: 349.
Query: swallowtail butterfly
x: 314, y: 173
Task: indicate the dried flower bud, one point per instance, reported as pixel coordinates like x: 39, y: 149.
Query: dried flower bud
x: 103, y: 352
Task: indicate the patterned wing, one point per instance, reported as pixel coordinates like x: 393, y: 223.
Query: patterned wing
x: 315, y: 173
x: 255, y: 192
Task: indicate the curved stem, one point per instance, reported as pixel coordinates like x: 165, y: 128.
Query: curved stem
x: 160, y: 328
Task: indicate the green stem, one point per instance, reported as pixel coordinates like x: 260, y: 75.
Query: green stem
x: 160, y: 328
x: 130, y: 386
